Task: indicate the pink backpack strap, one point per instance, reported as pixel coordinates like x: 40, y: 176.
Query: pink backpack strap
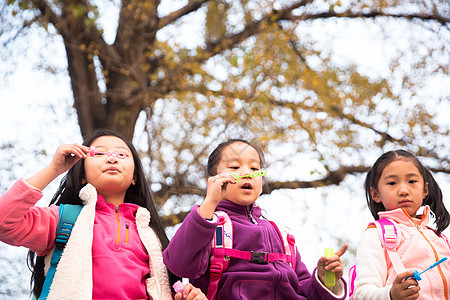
x: 223, y: 240
x: 288, y: 243
x: 352, y: 276
x: 445, y: 239
x: 222, y: 251
x: 390, y: 239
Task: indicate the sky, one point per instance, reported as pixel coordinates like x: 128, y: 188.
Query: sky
x: 31, y: 106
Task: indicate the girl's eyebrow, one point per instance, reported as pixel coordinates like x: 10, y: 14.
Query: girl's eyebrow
x: 238, y: 160
x: 396, y: 176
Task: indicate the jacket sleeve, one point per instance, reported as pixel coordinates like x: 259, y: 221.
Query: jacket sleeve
x: 311, y: 286
x: 371, y: 268
x: 189, y: 250
x: 22, y: 223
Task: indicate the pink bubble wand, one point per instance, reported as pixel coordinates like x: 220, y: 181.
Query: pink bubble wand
x: 120, y: 155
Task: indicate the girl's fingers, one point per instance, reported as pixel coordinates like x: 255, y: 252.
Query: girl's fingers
x: 192, y: 293
x: 74, y: 150
x: 333, y: 266
x: 222, y: 178
x: 341, y: 251
x: 67, y: 155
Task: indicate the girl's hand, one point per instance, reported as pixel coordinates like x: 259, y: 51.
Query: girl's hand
x: 215, y: 192
x: 405, y: 289
x: 190, y: 293
x: 333, y: 264
x: 66, y: 156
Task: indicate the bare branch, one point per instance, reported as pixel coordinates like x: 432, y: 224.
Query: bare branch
x: 225, y: 43
x: 333, y: 178
x: 370, y: 15
x: 170, y: 220
x: 190, y: 7
x: 44, y: 7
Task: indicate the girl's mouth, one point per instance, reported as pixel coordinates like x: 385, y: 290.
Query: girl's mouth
x: 112, y: 169
x: 247, y: 186
x: 405, y: 202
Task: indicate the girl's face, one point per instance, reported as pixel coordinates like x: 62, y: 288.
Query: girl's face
x: 109, y: 173
x: 242, y: 159
x: 400, y: 186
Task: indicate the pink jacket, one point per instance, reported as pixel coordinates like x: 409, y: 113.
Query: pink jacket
x: 110, y: 252
x: 419, y: 248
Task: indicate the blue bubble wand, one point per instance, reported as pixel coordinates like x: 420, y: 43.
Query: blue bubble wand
x: 417, y: 274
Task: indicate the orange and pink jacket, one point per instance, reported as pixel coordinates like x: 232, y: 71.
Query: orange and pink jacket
x: 110, y: 253
x: 419, y: 248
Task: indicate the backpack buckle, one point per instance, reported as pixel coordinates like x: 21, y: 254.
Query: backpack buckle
x: 216, y: 270
x: 261, y: 258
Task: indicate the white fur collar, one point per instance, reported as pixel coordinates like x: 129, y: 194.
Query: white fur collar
x: 75, y: 265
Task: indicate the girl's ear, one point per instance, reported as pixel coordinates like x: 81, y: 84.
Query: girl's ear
x: 425, y: 190
x: 83, y: 180
x: 133, y: 181
x: 375, y: 195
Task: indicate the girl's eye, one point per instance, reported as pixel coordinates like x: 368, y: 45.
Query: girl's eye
x: 121, y: 155
x: 412, y: 181
x: 99, y: 153
x: 255, y: 169
x: 234, y: 167
x: 391, y: 183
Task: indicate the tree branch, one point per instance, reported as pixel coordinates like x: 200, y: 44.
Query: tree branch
x: 333, y: 178
x: 225, y: 43
x: 173, y: 16
x: 370, y: 15
x: 44, y: 7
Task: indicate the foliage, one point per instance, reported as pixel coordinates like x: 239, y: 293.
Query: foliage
x: 181, y: 76
x: 254, y: 69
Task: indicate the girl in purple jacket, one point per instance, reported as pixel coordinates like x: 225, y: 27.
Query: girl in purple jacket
x: 115, y: 248
x: 232, y: 189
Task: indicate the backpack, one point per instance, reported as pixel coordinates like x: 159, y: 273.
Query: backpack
x: 389, y: 238
x: 68, y: 214
x: 222, y: 251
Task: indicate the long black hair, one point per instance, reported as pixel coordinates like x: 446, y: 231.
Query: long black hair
x: 72, y: 183
x: 434, y: 198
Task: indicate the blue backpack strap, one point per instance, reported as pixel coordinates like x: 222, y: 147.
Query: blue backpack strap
x: 68, y: 214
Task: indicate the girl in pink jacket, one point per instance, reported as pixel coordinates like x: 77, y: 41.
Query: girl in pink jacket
x: 114, y: 250
x: 397, y: 186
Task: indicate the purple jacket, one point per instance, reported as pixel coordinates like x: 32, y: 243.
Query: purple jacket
x: 188, y: 256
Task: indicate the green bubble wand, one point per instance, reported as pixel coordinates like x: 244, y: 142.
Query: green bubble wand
x: 251, y: 175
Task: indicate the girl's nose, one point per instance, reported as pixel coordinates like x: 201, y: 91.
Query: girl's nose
x: 403, y: 190
x: 245, y: 172
x: 112, y: 160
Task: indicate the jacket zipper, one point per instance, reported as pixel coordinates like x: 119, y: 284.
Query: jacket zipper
x: 127, y: 233
x: 250, y: 216
x: 271, y: 249
x: 118, y: 225
x: 266, y: 231
x: 436, y: 257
